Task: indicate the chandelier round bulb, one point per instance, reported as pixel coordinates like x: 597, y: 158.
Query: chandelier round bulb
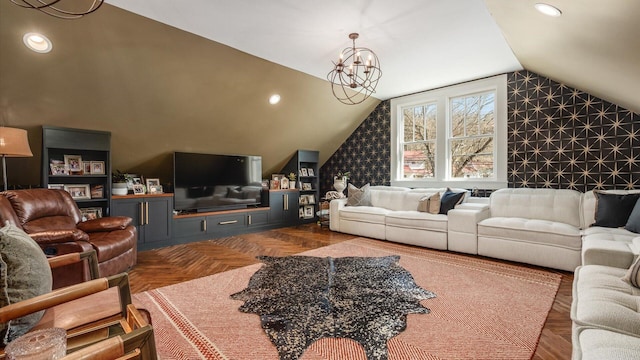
x: 359, y: 82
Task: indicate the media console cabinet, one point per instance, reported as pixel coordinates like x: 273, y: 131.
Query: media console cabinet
x: 159, y: 227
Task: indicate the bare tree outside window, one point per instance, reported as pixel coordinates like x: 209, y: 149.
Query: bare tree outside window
x: 419, y: 146
x: 472, y: 130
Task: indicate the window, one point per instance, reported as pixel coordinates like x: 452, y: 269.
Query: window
x: 453, y: 134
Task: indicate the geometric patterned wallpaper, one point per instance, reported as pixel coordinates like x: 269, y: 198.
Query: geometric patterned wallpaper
x: 558, y: 137
x: 365, y: 154
x: 563, y: 138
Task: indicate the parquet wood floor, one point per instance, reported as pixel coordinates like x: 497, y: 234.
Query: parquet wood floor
x: 174, y: 264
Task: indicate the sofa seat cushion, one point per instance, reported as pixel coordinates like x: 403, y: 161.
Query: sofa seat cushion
x: 532, y: 231
x: 605, y: 233
x: 598, y: 344
x: 602, y: 299
x: 370, y: 214
x: 417, y: 220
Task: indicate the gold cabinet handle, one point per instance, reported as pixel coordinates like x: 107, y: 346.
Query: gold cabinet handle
x: 228, y: 222
x: 286, y: 202
x: 146, y: 213
x: 141, y: 220
x: 204, y: 225
x: 249, y: 219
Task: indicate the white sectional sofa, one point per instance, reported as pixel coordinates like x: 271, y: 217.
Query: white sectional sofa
x: 545, y: 227
x: 393, y: 216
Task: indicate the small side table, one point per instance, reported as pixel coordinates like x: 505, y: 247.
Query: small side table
x: 323, y: 213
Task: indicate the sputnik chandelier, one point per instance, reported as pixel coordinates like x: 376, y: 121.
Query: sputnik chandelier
x: 355, y: 76
x: 62, y: 9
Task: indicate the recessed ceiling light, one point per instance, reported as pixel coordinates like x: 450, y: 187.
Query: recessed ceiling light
x: 37, y: 42
x: 274, y: 99
x: 548, y: 9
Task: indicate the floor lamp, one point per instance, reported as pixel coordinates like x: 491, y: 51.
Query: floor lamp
x: 13, y: 143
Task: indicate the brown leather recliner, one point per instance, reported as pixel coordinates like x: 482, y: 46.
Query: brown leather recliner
x: 52, y: 218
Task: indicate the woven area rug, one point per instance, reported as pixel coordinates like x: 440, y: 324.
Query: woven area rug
x: 484, y: 310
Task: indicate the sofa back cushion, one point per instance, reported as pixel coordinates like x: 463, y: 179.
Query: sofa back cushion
x: 44, y: 209
x: 559, y: 205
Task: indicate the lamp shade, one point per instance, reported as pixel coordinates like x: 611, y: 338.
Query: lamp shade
x: 14, y: 143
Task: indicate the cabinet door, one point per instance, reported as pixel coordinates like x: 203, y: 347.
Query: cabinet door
x: 276, y: 205
x: 132, y: 208
x: 158, y: 218
x: 291, y: 212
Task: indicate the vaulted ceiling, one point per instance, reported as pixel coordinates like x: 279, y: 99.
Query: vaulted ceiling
x: 195, y: 75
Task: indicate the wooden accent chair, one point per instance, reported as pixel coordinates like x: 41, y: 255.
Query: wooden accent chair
x: 91, y: 312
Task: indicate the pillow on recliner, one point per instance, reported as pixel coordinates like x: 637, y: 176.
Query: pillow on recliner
x: 358, y: 197
x: 613, y: 210
x: 449, y: 200
x: 633, y: 224
x: 25, y: 272
x: 429, y: 203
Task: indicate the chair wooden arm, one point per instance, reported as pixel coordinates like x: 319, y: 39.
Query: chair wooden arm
x: 73, y: 258
x: 69, y: 293
x: 137, y: 344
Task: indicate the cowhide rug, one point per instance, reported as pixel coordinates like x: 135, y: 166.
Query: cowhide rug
x: 301, y: 299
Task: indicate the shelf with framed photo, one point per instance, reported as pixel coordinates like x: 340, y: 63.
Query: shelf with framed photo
x: 79, y: 161
x: 305, y: 164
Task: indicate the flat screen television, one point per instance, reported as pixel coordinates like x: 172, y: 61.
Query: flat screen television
x: 212, y: 182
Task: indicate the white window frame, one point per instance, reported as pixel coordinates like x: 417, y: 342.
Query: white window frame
x: 443, y: 98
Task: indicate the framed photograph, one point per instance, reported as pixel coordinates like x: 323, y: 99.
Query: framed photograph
x: 308, y: 211
x: 275, y: 184
x: 306, y: 186
x: 303, y: 200
x: 59, y: 169
x: 138, y: 189
x: 73, y: 163
x: 152, y: 182
x: 301, y: 212
x: 91, y: 213
x: 97, y: 191
x: 97, y: 167
x: 265, y: 183
x: 79, y: 192
x: 86, y: 167
x: 56, y: 186
x: 277, y: 176
x: 284, y: 183
x: 155, y: 189
x: 311, y: 199
x: 310, y: 171
x: 303, y: 172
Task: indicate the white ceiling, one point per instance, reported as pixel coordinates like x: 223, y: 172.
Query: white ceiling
x: 421, y: 44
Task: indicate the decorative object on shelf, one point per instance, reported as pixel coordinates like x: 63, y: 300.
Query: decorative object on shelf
x: 138, y: 189
x: 62, y: 9
x: 284, y: 183
x: 308, y: 211
x: 13, y: 143
x: 73, y: 163
x: 119, y: 183
x: 86, y: 167
x: 306, y: 186
x: 91, y: 213
x: 97, y: 167
x: 97, y: 191
x: 303, y: 172
x: 59, y: 169
x: 310, y: 172
x: 152, y: 182
x: 155, y: 189
x: 56, y: 186
x: 79, y: 192
x: 274, y: 184
x: 292, y: 180
x: 355, y: 76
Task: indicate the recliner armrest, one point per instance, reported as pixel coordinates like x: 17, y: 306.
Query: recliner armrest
x: 59, y: 236
x: 104, y: 224
x: 334, y: 213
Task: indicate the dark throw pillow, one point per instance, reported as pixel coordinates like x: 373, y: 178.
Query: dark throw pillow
x: 449, y: 200
x: 359, y: 197
x: 633, y: 224
x: 613, y: 210
x: 25, y: 273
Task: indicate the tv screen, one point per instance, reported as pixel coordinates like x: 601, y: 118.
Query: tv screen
x: 211, y: 182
